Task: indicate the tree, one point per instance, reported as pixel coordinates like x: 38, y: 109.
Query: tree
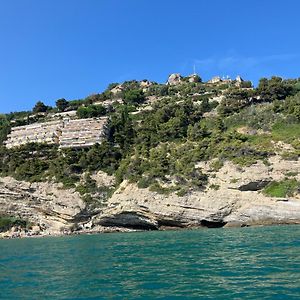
x: 274, y: 89
x: 4, y: 128
x: 134, y: 97
x: 62, y: 104
x: 246, y: 84
x: 121, y: 131
x: 91, y: 111
x: 234, y: 101
x: 39, y: 107
x: 197, y: 132
x: 112, y: 85
x: 291, y: 106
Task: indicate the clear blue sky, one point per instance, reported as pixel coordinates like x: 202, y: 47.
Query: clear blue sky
x: 51, y: 49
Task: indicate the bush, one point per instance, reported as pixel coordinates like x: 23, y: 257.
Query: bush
x: 6, y: 223
x: 62, y: 104
x: 39, y: 107
x: 133, y: 97
x: 282, y: 189
x: 92, y: 111
x: 273, y: 89
x: 4, y: 128
x: 291, y: 106
x: 235, y: 100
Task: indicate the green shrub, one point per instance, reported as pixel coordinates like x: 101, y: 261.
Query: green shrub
x: 293, y: 155
x: 216, y: 165
x: 145, y: 182
x: 291, y: 174
x: 281, y: 189
x: 7, y: 222
x: 91, y: 111
x: 157, y: 188
x: 182, y: 191
x: 134, y: 97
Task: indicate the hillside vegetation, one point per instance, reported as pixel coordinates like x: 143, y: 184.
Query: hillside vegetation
x: 158, y: 134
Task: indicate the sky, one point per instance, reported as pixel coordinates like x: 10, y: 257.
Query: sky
x: 70, y: 49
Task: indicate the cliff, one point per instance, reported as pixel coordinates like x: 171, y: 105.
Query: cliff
x: 238, y: 200
x: 48, y: 209
x: 143, y: 155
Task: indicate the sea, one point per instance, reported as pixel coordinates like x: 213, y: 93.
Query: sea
x: 223, y: 263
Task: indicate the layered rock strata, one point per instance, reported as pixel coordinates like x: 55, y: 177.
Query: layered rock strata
x: 233, y: 197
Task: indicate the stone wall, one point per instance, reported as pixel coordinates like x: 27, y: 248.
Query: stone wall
x: 82, y: 133
x: 66, y: 133
x: 47, y: 132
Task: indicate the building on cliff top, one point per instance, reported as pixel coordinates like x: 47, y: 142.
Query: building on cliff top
x: 218, y: 79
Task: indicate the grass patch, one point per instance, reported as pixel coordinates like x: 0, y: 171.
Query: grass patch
x: 293, y: 156
x: 157, y: 188
x: 262, y: 142
x: 216, y: 165
x: 286, y: 132
x: 282, y: 188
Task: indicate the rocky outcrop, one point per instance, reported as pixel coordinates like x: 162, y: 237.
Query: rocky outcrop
x: 174, y: 79
x: 233, y: 197
x: 235, y: 200
x: 254, y: 185
x: 48, y: 207
x: 137, y: 208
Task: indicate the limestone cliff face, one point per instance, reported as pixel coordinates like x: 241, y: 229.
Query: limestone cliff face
x: 238, y: 201
x: 233, y: 197
x: 51, y: 209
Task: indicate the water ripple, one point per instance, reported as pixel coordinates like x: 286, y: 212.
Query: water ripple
x: 245, y: 263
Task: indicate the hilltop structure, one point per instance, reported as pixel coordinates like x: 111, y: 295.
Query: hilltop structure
x: 177, y: 78
x: 238, y: 81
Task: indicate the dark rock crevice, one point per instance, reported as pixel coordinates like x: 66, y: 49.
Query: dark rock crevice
x: 254, y: 186
x: 212, y: 224
x: 141, y: 226
x: 84, y: 215
x: 170, y: 223
x: 130, y: 220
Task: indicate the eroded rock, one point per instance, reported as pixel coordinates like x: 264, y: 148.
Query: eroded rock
x: 174, y: 79
x: 254, y: 185
x: 237, y: 202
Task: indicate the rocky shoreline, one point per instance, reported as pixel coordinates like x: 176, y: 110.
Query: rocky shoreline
x: 16, y: 233
x: 20, y: 234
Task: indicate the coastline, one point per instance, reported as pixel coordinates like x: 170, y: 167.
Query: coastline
x: 239, y: 201
x: 105, y: 230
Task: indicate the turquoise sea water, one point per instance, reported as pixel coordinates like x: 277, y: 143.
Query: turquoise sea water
x: 237, y: 263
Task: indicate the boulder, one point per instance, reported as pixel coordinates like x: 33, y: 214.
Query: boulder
x: 174, y: 79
